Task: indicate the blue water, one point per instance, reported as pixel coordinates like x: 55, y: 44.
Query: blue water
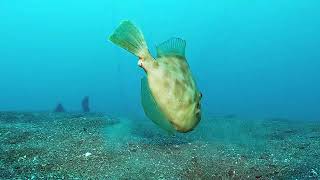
x: 255, y: 59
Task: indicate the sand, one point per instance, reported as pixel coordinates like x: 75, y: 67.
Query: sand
x: 97, y: 146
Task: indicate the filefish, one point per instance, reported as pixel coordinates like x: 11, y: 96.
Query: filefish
x: 169, y: 94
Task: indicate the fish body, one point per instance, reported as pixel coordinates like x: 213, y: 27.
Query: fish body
x: 169, y: 83
x: 174, y: 89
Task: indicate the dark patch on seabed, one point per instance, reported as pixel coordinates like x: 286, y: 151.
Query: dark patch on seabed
x: 95, y: 146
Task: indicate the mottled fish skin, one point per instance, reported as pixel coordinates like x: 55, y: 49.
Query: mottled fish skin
x: 174, y: 89
x: 170, y: 83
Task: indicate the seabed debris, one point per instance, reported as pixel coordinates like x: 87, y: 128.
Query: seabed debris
x: 89, y: 145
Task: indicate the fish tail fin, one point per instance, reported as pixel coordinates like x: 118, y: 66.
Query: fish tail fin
x: 130, y: 38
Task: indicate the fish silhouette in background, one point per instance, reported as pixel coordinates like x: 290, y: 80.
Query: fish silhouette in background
x: 169, y: 94
x: 85, y: 104
x: 59, y: 108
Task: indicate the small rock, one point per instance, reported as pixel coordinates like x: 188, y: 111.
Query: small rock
x: 232, y: 173
x: 313, y: 173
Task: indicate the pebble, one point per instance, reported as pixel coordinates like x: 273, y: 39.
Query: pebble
x: 313, y: 173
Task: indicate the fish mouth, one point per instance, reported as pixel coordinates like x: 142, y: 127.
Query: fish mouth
x: 188, y: 128
x: 180, y: 128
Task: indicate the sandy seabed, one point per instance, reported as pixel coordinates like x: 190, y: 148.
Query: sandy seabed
x: 96, y: 146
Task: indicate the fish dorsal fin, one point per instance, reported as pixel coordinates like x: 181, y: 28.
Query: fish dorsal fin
x: 172, y: 47
x: 152, y: 109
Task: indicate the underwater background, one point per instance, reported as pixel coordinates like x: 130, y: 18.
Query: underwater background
x: 257, y: 64
x: 250, y: 58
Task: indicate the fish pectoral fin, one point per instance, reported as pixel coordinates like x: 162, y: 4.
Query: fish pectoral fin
x: 172, y: 47
x: 152, y: 109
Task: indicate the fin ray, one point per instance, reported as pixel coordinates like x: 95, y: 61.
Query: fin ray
x: 173, y: 47
x: 130, y: 38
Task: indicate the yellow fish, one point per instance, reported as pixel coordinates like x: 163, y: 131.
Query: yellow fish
x: 169, y: 94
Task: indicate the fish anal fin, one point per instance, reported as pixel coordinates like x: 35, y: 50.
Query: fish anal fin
x: 152, y: 109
